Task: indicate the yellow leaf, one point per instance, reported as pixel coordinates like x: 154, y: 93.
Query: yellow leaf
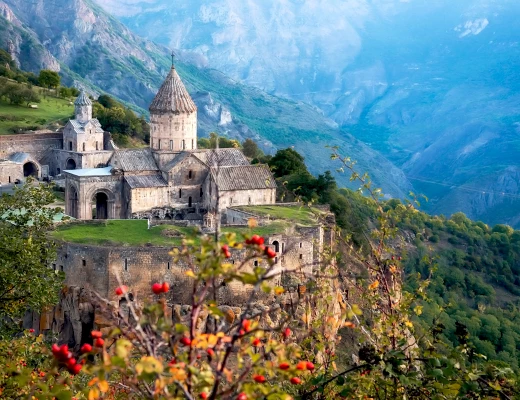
x: 93, y: 381
x: 103, y: 386
x: 278, y: 290
x: 122, y: 348
x: 349, y: 324
x: 93, y: 394
x: 408, y: 324
x: 374, y: 285
x: 190, y: 274
x: 252, y: 223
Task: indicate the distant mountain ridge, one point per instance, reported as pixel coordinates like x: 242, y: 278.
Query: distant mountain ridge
x: 432, y: 85
x: 95, y: 51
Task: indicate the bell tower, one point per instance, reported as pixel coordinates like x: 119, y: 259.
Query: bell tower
x: 173, y: 117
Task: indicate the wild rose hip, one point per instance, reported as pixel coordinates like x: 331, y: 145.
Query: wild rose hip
x: 86, y: 348
x: 257, y: 342
x: 186, y: 341
x: 295, y: 380
x: 284, y: 366
x: 309, y: 365
x: 121, y: 290
x: 259, y: 378
x: 165, y: 287
x: 242, y: 396
x: 286, y: 333
x: 99, y: 342
x: 157, y: 288
x: 270, y: 253
x: 302, y: 366
x: 96, y: 334
x: 75, y: 369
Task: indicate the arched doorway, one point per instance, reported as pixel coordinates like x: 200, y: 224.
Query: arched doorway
x: 72, y: 202
x: 30, y: 169
x: 100, y: 206
x: 71, y: 164
x: 276, y: 246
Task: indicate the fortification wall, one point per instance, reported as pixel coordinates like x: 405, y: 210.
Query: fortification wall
x: 35, y: 144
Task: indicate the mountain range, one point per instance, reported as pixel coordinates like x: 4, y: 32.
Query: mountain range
x: 422, y: 94
x: 431, y: 85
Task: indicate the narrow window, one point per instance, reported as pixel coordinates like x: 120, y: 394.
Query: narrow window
x: 159, y: 144
x: 84, y: 146
x: 171, y: 144
x: 283, y: 247
x: 10, y: 177
x: 151, y: 141
x: 300, y: 245
x: 190, y: 174
x: 192, y: 144
x: 70, y: 146
x: 59, y: 171
x: 256, y: 263
x: 61, y: 268
x: 184, y: 145
x: 180, y: 193
x: 301, y: 256
x: 249, y: 200
x: 168, y: 265
x: 189, y: 201
x: 201, y: 192
x: 54, y: 267
x: 126, y: 264
x: 231, y: 200
x: 84, y: 263
x: 97, y: 145
x: 276, y: 260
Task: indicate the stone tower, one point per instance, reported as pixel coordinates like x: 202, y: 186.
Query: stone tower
x: 173, y: 117
x: 83, y: 108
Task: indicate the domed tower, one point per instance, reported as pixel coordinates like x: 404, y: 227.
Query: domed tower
x: 83, y: 108
x: 173, y: 117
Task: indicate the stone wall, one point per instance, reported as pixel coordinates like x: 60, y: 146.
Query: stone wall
x: 10, y: 172
x: 35, y: 144
x: 59, y: 162
x: 88, y: 140
x: 173, y: 132
x: 145, y: 199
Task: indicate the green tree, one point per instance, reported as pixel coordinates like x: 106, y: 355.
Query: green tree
x: 251, y: 149
x: 49, y: 79
x: 107, y: 101
x: 286, y: 162
x: 27, y: 280
x: 30, y: 96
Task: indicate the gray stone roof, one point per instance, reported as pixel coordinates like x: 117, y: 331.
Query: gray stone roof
x: 248, y: 177
x: 79, y: 127
x: 177, y: 160
x: 134, y: 160
x: 146, y: 181
x: 221, y: 157
x: 20, y: 158
x: 173, y: 96
x: 82, y: 100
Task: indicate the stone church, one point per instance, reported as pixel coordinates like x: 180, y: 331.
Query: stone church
x: 171, y: 179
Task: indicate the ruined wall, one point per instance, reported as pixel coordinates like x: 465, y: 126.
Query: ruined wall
x: 10, y: 172
x: 186, y: 181
x: 35, y: 144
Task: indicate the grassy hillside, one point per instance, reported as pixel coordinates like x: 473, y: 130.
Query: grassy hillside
x: 50, y: 110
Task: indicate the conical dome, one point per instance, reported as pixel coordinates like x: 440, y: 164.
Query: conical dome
x: 173, y: 96
x: 83, y: 100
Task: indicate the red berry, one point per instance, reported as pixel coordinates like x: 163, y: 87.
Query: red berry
x: 157, y: 288
x: 286, y: 333
x: 257, y: 342
x: 259, y: 378
x: 203, y: 395
x: 284, y: 366
x: 64, y: 352
x: 249, y: 241
x: 257, y: 240
x: 96, y: 334
x: 295, y: 380
x: 210, y: 352
x: 186, y: 341
x: 242, y: 396
x: 31, y: 330
x: 165, y: 287
x: 225, y: 250
x: 99, y: 342
x: 302, y: 365
x: 270, y: 253
x: 310, y: 366
x: 55, y: 349
x: 76, y: 369
x: 241, y: 332
x: 121, y: 290
x: 71, y: 362
x: 246, y: 324
x: 86, y: 348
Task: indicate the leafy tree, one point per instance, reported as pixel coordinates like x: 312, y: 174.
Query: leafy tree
x: 30, y: 96
x: 26, y: 278
x: 6, y: 59
x: 287, y: 162
x: 107, y: 101
x: 251, y: 149
x: 49, y: 79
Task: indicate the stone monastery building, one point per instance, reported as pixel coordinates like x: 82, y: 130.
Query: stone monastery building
x: 170, y: 180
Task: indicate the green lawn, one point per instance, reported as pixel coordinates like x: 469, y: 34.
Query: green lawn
x: 50, y: 109
x: 296, y: 214
x: 135, y: 233
x: 118, y: 232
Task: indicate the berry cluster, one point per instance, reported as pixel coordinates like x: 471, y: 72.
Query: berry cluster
x: 159, y: 288
x: 65, y: 357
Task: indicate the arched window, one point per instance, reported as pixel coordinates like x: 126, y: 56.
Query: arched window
x: 201, y: 193
x: 190, y: 174
x: 171, y: 144
x: 70, y: 146
x: 180, y: 193
x: 276, y: 246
